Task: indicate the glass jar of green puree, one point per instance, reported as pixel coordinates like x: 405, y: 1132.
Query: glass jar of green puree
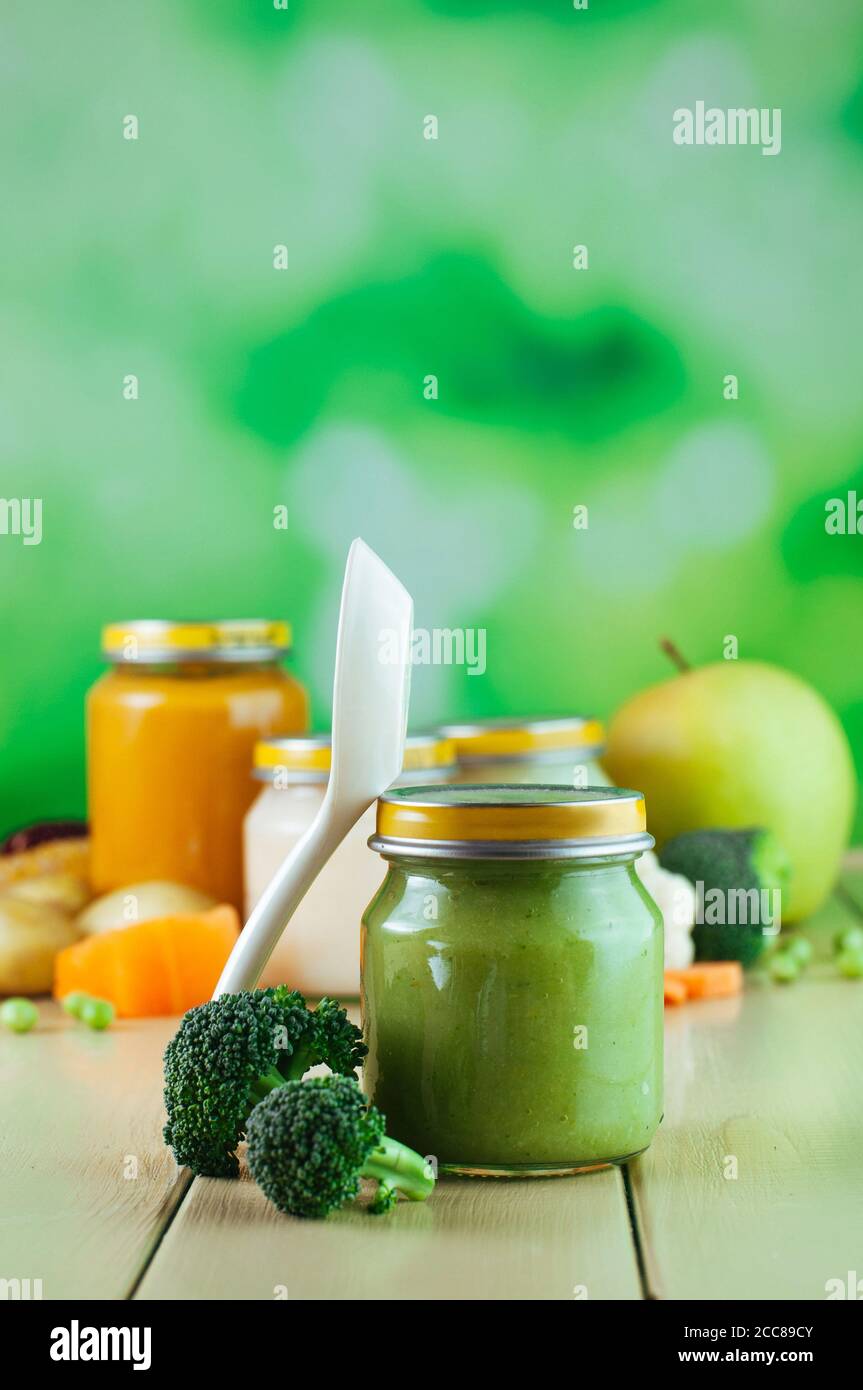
x: 565, y: 752
x: 512, y: 978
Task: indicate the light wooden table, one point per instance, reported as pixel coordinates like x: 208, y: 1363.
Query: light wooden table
x: 752, y: 1188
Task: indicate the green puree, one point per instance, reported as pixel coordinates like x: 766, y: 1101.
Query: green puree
x: 479, y: 981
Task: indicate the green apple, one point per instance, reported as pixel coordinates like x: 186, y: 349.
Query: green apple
x: 738, y: 744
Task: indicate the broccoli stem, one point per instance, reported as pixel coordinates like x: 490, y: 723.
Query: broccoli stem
x: 295, y: 1068
x: 264, y: 1084
x: 397, y: 1169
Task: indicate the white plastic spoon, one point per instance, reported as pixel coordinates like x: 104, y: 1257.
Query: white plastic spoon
x: 370, y: 713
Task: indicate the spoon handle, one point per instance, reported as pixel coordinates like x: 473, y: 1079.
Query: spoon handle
x: 283, y: 894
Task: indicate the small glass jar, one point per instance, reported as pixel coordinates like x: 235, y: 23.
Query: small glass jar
x: 558, y: 752
x: 512, y: 968
x: 170, y: 733
x: 319, y: 951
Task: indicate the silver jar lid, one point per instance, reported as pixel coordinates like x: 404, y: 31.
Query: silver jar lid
x: 512, y: 821
x: 514, y: 740
x: 164, y: 642
x: 306, y: 758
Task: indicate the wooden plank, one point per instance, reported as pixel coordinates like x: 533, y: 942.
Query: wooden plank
x: 557, y: 1238
x: 87, y: 1184
x: 771, y: 1081
x: 474, y: 1239
x: 82, y: 1108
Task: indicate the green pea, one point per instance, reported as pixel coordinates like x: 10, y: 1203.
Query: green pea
x: 800, y: 948
x: 849, y: 938
x: 783, y: 967
x: 97, y: 1013
x: 74, y: 1002
x: 19, y: 1014
x: 850, y: 963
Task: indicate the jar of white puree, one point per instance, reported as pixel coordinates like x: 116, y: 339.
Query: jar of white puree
x: 319, y: 951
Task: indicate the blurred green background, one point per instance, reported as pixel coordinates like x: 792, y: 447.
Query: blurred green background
x: 410, y: 257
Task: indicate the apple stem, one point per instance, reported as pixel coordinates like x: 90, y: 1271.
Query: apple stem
x: 674, y: 653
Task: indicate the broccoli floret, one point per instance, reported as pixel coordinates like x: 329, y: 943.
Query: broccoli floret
x: 735, y: 864
x: 311, y: 1141
x: 230, y: 1053
x: 337, y: 1040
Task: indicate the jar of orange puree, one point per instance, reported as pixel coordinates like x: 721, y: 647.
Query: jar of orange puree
x: 170, y: 734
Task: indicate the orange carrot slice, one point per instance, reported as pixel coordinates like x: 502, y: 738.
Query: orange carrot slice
x: 707, y: 979
x: 675, y: 990
x: 164, y: 966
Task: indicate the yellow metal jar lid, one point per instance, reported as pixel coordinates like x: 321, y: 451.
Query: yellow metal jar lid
x: 308, y: 758
x: 487, y: 740
x: 511, y: 822
x: 159, y: 641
